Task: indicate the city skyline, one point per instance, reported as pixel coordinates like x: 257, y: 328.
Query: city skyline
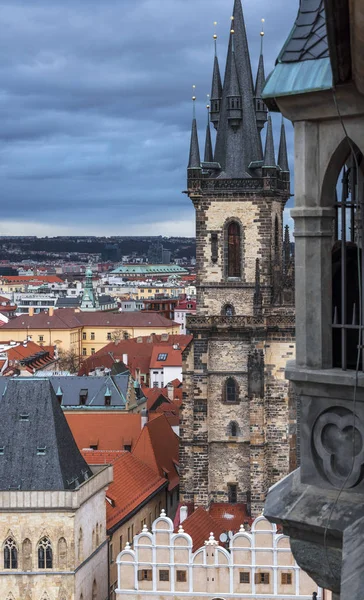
x: 96, y: 126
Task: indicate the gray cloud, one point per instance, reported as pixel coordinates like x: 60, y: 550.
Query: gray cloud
x: 95, y: 109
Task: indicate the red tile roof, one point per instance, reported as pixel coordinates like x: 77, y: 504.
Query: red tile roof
x: 173, y: 358
x: 134, y: 482
x: 109, y: 431
x: 68, y: 318
x: 28, y: 278
x: 219, y: 518
x: 153, y: 395
x: 199, y: 526
x: 138, y: 350
x: 229, y: 516
x: 158, y: 446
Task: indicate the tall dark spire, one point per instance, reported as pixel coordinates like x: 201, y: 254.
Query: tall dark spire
x: 282, y: 154
x: 208, y: 156
x: 260, y: 107
x: 238, y: 144
x: 216, y: 93
x: 269, y: 157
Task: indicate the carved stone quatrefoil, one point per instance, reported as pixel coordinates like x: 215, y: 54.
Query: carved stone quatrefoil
x: 338, y: 441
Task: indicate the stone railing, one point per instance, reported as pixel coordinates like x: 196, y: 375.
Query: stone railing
x: 239, y: 321
x: 220, y: 186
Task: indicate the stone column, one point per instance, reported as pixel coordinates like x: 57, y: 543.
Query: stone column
x: 313, y: 243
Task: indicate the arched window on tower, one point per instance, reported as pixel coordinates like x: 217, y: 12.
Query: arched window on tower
x: 233, y: 249
x: 233, y: 429
x: 10, y: 554
x: 230, y: 391
x: 347, y: 267
x: 45, y: 554
x: 228, y: 310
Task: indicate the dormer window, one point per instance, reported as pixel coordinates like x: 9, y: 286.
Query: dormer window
x: 41, y: 450
x: 24, y: 417
x: 83, y: 396
x: 162, y: 356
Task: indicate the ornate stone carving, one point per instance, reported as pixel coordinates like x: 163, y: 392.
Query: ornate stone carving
x: 338, y: 444
x: 256, y: 373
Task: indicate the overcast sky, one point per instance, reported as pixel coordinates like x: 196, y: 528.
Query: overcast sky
x: 95, y: 109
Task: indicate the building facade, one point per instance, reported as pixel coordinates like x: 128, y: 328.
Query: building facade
x: 258, y: 563
x: 52, y: 505
x: 237, y: 409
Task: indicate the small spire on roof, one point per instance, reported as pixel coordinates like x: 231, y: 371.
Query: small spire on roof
x: 163, y: 513
x: 216, y: 88
x: 242, y: 529
x: 282, y: 153
x: 208, y: 156
x: 145, y: 528
x: 269, y: 158
x: 180, y: 529
x: 194, y: 159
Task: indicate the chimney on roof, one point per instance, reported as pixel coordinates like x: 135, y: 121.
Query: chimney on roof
x: 125, y: 359
x: 170, y: 391
x: 144, y: 417
x: 31, y: 311
x: 51, y: 311
x: 182, y: 514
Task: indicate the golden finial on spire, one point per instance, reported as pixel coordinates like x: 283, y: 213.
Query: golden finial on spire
x: 193, y: 92
x: 208, y: 102
x: 262, y: 31
x: 215, y: 34
x: 262, y: 36
x: 232, y: 25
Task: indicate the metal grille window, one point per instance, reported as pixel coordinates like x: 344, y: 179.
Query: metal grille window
x: 163, y: 575
x: 244, y: 577
x: 234, y: 250
x: 347, y: 270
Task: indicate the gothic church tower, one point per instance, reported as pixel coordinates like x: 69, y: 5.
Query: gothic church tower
x: 237, y: 427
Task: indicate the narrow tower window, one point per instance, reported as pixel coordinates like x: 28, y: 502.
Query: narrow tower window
x: 231, y: 391
x: 234, y: 250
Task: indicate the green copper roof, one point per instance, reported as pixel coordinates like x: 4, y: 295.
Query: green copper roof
x: 149, y: 270
x: 289, y: 79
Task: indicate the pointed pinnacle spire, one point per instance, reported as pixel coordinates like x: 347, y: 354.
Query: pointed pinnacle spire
x: 231, y: 76
x: 216, y: 88
x: 194, y: 159
x: 260, y: 80
x: 208, y: 156
x: 269, y: 158
x: 282, y: 154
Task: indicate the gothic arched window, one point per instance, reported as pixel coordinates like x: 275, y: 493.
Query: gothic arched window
x: 233, y: 250
x: 233, y: 429
x: 228, y: 310
x: 94, y: 590
x: 10, y: 554
x: 230, y: 391
x: 45, y: 554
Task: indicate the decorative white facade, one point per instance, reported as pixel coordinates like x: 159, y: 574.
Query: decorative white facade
x: 258, y: 564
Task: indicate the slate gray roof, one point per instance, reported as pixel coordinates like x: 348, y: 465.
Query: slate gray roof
x: 235, y: 150
x: 96, y: 386
x: 38, y: 451
x: 308, y: 38
x: 69, y: 302
x: 282, y: 153
x: 269, y: 157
